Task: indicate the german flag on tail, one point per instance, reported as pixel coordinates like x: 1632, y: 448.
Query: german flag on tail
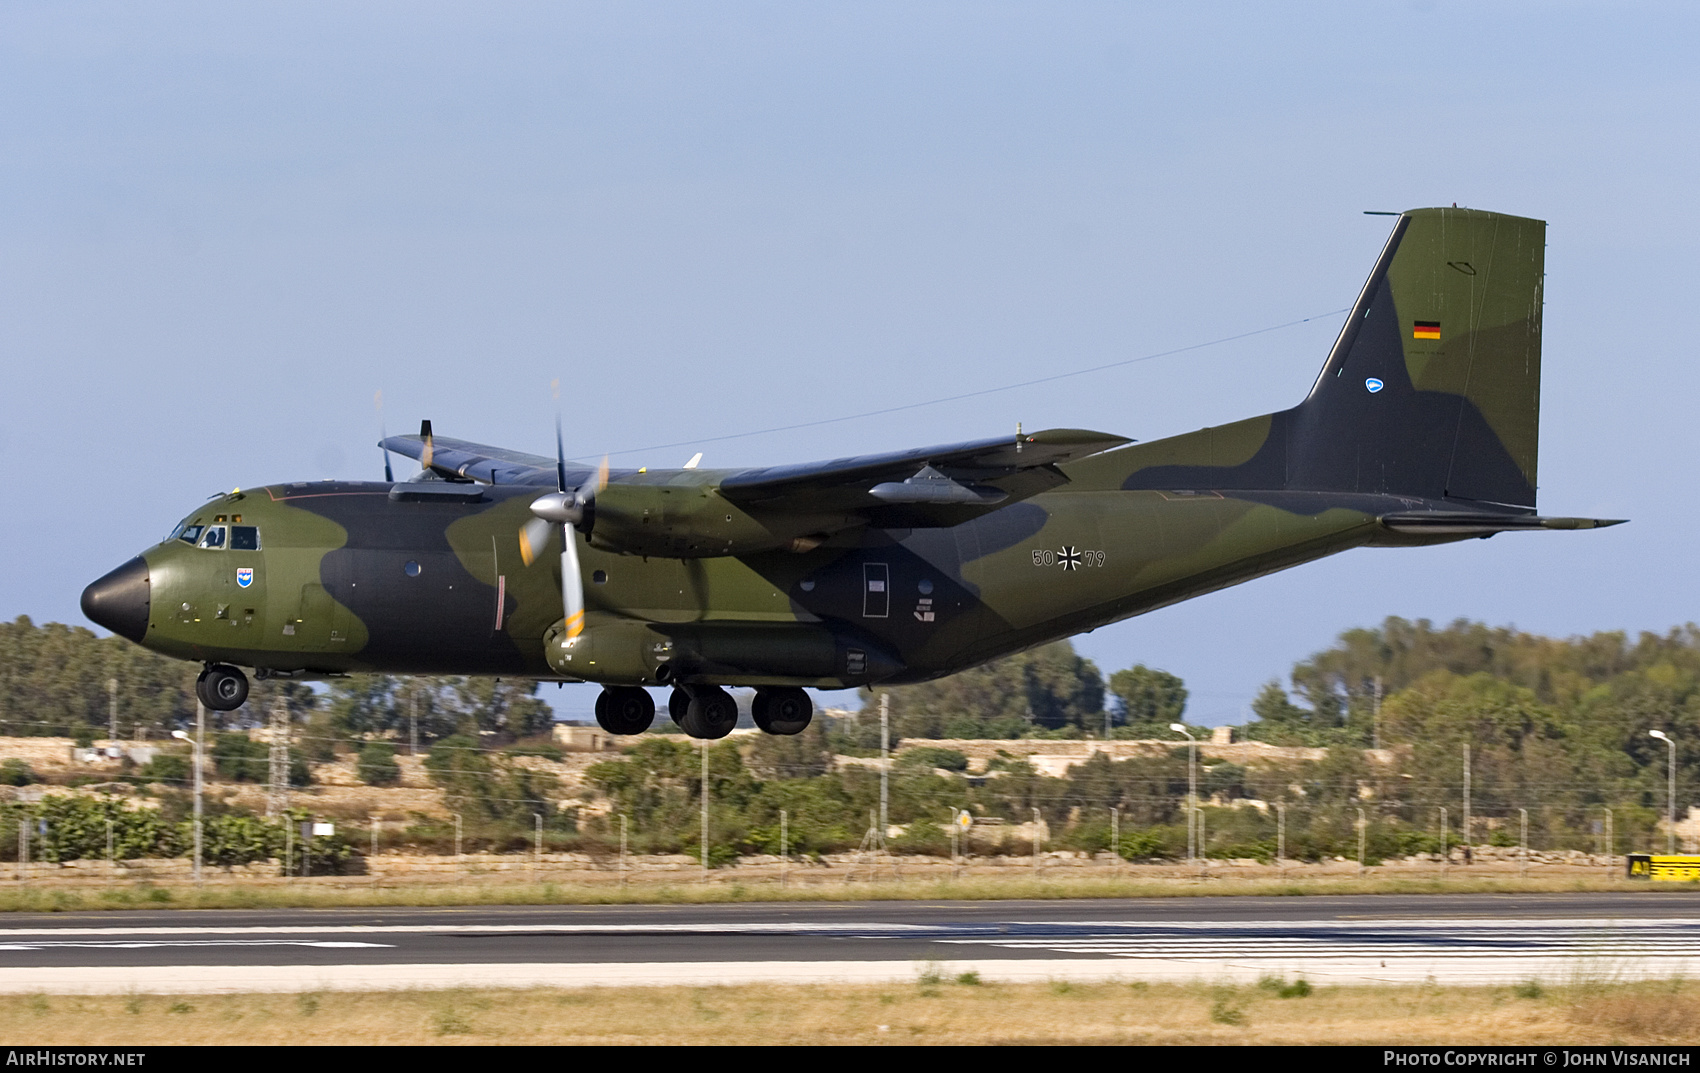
x: 1425, y: 329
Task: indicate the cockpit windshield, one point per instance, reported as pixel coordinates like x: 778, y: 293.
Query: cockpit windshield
x: 188, y: 534
x: 214, y: 538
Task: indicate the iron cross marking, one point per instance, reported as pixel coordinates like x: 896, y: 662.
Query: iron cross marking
x: 1068, y: 558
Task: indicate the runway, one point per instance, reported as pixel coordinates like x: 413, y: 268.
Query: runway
x: 1453, y: 939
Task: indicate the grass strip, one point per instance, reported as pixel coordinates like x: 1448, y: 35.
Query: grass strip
x: 936, y: 1008
x: 331, y: 893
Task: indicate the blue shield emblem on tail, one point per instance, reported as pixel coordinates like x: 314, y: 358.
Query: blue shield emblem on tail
x: 245, y: 576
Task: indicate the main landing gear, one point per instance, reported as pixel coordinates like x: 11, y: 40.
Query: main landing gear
x: 782, y: 710
x: 222, y: 687
x: 704, y: 711
x: 625, y: 710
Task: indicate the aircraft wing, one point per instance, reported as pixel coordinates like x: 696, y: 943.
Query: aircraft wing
x: 924, y: 486
x: 451, y: 458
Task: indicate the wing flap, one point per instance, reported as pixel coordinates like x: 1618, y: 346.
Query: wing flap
x: 986, y: 474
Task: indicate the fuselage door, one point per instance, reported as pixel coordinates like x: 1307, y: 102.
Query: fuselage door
x: 876, y: 590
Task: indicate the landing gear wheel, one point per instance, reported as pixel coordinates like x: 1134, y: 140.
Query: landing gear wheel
x: 222, y: 687
x: 624, y: 710
x: 782, y: 710
x: 677, y: 702
x: 711, y: 713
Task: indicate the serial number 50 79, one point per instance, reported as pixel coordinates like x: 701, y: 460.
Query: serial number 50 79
x: 1068, y: 557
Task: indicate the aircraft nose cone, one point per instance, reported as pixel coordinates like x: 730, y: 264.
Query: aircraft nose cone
x: 119, y: 601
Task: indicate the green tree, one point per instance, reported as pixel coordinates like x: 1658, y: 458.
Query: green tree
x: 1148, y: 698
x: 1046, y: 688
x: 377, y: 765
x: 241, y: 759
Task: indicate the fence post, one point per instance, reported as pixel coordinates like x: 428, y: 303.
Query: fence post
x: 537, y: 861
x: 1611, y: 849
x: 955, y: 844
x: 784, y: 844
x: 622, y: 850
x: 1035, y: 843
x: 1115, y: 837
x: 1445, y: 850
x: 1280, y: 837
x: 705, y: 810
x: 1363, y: 828
x: 1523, y: 842
x: 1203, y: 853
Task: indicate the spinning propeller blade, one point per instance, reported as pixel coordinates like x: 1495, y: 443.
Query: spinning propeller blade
x: 568, y: 509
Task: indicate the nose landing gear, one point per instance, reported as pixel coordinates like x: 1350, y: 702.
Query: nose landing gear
x: 222, y: 687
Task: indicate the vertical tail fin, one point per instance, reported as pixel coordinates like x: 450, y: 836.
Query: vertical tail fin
x: 1433, y: 387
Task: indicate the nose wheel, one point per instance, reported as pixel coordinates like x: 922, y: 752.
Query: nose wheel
x: 222, y: 687
x: 703, y: 711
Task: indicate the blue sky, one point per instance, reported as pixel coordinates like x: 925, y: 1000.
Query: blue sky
x: 224, y: 227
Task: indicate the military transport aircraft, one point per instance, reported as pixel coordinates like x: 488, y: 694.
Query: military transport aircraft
x: 890, y: 568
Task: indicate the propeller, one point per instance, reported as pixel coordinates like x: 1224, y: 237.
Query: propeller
x: 570, y: 509
x: 383, y: 434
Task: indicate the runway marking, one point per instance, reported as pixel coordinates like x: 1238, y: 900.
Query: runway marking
x: 1663, y: 939
x: 134, y: 944
x: 776, y: 928
x: 956, y: 928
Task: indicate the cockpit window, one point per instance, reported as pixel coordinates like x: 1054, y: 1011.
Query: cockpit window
x: 244, y: 538
x: 214, y: 538
x: 188, y: 534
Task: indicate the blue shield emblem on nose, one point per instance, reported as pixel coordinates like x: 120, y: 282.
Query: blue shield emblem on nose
x: 1374, y: 385
x: 245, y: 576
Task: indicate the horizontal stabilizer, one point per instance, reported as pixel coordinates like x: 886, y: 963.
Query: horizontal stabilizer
x: 1464, y: 523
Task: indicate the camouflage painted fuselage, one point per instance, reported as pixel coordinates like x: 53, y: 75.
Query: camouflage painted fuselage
x: 332, y: 591
x: 1421, y: 428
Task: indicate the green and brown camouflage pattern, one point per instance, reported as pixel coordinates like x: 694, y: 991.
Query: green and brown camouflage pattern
x: 784, y: 577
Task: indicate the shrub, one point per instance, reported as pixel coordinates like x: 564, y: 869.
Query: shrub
x: 236, y: 839
x: 932, y: 756
x: 543, y: 749
x: 377, y: 765
x: 1143, y: 845
x: 16, y: 772
x: 170, y: 768
x: 923, y: 837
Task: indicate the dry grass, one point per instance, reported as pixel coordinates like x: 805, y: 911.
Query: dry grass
x: 327, y: 893
x: 937, y: 1008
